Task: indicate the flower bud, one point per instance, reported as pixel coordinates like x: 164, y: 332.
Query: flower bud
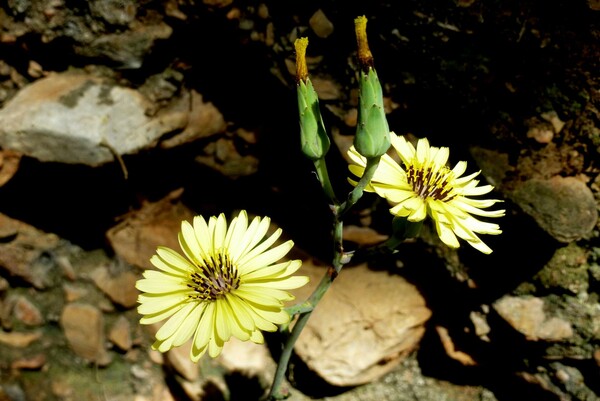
x: 314, y: 140
x: 372, y: 133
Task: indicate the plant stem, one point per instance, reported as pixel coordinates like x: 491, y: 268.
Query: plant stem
x: 357, y: 191
x: 323, y: 175
x: 306, y: 308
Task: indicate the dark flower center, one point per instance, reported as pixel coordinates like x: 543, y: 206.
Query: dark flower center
x: 217, y: 277
x: 431, y: 183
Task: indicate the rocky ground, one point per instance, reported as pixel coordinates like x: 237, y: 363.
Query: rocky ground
x: 121, y: 118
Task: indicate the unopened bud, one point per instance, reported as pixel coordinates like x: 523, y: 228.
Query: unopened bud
x: 314, y: 140
x: 372, y: 133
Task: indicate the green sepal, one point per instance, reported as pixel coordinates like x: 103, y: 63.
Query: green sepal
x: 314, y: 140
x: 372, y: 137
x: 403, y: 228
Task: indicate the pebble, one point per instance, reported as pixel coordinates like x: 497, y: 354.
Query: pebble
x: 526, y: 315
x: 83, y: 325
x: 19, y: 339
x: 25, y: 311
x: 120, y: 333
x: 120, y: 288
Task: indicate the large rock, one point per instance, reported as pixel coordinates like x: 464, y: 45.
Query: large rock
x: 563, y: 206
x: 78, y: 118
x: 365, y: 325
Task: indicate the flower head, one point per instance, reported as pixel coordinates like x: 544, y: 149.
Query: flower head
x: 228, y: 283
x: 425, y: 185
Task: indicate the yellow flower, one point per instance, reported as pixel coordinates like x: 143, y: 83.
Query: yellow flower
x: 426, y: 186
x: 228, y: 284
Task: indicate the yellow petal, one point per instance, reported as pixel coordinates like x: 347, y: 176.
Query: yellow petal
x: 204, y: 331
x: 249, y: 259
x: 223, y: 329
x: 188, y: 326
x: 240, y: 310
x: 168, y: 329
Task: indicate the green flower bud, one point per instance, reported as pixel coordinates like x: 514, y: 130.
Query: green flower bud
x: 314, y: 140
x: 372, y: 133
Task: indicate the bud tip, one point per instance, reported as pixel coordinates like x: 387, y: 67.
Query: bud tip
x: 365, y: 58
x: 301, y: 70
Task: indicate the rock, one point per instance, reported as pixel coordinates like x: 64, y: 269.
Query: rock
x: 249, y: 359
x: 527, y: 316
x: 119, y: 287
x: 563, y: 206
x: 364, y: 326
x: 9, y: 164
x: 19, y: 339
x: 135, y: 239
x: 327, y: 89
x: 34, y: 362
x: 73, y: 292
x: 451, y: 350
x: 223, y: 156
x: 83, y: 326
x: 78, y: 118
x: 21, y: 248
x: 364, y: 236
x: 320, y: 24
x: 202, y: 120
x: 179, y: 359
x: 120, y: 333
x: 567, y: 270
x: 128, y: 48
x: 25, y: 311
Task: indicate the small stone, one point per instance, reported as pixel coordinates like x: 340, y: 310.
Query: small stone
x: 9, y: 164
x: 179, y: 359
x: 326, y: 89
x: 320, y: 24
x: 120, y: 333
x: 527, y: 316
x: 248, y: 358
x: 19, y: 256
x: 83, y: 326
x: 120, y: 287
x: 27, y: 312
x: 363, y: 235
x: 597, y: 357
x: 450, y: 348
x: 567, y: 270
x: 19, y: 339
x: 34, y: 362
x: 73, y: 292
x: 138, y: 235
x: 482, y: 328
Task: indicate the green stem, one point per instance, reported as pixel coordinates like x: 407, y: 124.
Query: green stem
x: 305, y: 309
x: 323, y: 175
x: 357, y: 191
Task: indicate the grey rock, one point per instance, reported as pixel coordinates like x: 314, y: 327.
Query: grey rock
x: 77, y: 118
x: 563, y: 206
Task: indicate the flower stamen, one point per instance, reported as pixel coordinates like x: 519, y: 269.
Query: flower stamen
x: 216, y: 277
x: 431, y: 184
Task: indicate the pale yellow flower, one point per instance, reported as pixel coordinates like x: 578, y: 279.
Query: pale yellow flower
x: 228, y: 284
x: 425, y: 185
